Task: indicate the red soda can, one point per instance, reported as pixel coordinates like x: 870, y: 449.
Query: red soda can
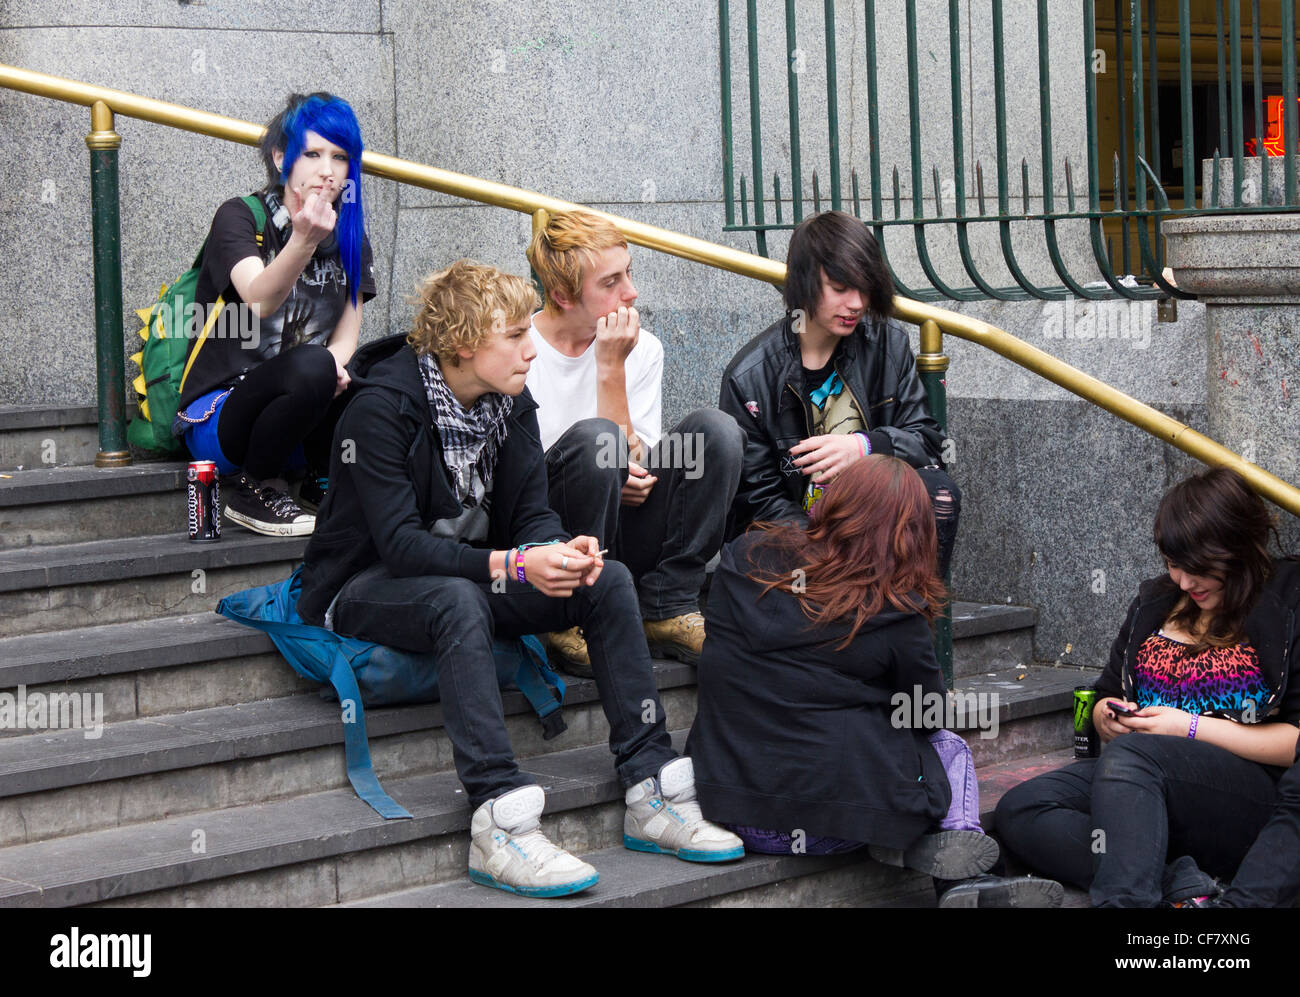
x: 204, y: 501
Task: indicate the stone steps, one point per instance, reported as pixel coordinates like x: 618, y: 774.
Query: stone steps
x: 60, y: 782
x: 61, y: 505
x: 44, y: 589
x: 633, y: 879
x: 149, y: 668
x: 329, y: 848
x: 33, y: 436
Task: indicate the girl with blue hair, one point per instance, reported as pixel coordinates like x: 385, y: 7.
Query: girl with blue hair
x: 282, y: 282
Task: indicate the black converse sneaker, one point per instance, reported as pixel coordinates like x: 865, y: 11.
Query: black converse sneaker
x: 267, y: 510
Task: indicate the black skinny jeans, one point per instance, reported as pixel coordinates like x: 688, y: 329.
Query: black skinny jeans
x: 667, y: 541
x: 945, y: 500
x: 1269, y: 875
x: 457, y: 618
x: 1125, y: 824
x: 287, y: 400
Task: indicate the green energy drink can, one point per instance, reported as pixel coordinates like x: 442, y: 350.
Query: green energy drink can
x: 1086, y: 742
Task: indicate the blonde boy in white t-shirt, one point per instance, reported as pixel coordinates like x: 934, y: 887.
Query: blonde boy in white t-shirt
x: 658, y: 501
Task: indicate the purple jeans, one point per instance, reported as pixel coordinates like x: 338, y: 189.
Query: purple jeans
x: 963, y: 813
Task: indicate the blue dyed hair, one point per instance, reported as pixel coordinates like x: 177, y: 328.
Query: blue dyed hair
x: 332, y: 119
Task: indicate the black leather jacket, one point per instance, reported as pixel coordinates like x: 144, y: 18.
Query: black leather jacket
x: 763, y: 390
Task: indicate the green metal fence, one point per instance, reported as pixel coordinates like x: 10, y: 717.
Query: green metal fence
x: 1138, y: 201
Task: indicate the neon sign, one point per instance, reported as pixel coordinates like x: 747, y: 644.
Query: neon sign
x: 1274, y: 144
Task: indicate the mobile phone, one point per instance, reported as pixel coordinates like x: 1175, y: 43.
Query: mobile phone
x: 1119, y: 709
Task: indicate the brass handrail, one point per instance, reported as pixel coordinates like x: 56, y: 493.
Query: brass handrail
x: 1089, y: 388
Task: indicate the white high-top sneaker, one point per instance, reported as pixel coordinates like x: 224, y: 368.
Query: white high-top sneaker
x: 509, y: 851
x: 662, y: 816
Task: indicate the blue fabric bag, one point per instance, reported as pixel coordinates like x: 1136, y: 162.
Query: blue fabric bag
x: 362, y: 673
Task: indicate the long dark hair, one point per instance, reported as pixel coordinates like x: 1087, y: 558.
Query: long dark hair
x: 1213, y: 525
x: 871, y: 541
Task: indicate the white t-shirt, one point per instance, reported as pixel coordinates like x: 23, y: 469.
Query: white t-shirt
x: 565, y: 387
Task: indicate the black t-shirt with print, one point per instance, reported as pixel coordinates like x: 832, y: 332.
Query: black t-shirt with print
x: 236, y: 342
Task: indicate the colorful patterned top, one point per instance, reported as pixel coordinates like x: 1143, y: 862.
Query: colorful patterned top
x: 1218, y: 682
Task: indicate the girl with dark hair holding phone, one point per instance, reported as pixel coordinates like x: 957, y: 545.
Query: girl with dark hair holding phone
x: 1197, y: 708
x: 261, y: 392
x: 814, y: 634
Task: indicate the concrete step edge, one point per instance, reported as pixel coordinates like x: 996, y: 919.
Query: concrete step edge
x: 141, y: 645
x: 119, y: 648
x: 46, y: 416
x: 632, y: 879
x: 57, y: 565
x: 86, y: 483
x: 974, y: 619
x: 43, y: 761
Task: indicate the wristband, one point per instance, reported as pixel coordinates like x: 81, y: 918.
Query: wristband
x: 864, y: 442
x: 1191, y: 731
x: 519, y: 556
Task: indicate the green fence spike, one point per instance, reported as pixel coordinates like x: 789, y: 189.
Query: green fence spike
x: 1290, y: 129
x: 793, y: 68
x: 1257, y: 78
x: 1103, y: 254
x: 832, y: 104
x: 1185, y: 99
x: 1238, y: 141
x: 728, y: 152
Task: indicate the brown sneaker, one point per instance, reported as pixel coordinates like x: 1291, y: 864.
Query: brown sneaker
x: 680, y: 637
x: 570, y: 648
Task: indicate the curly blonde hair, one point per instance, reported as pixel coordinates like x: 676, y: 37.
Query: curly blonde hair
x: 459, y: 307
x: 566, y: 245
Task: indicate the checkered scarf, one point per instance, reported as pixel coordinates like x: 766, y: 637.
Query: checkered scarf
x: 470, y: 437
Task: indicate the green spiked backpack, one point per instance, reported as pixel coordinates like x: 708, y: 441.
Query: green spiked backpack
x: 165, y: 358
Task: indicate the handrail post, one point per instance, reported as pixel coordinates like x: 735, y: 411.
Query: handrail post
x: 103, y: 143
x: 932, y: 365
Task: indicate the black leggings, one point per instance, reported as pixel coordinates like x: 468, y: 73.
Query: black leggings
x: 1111, y: 824
x: 282, y: 402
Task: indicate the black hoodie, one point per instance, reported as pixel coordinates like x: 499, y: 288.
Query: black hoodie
x: 791, y: 733
x: 389, y: 485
